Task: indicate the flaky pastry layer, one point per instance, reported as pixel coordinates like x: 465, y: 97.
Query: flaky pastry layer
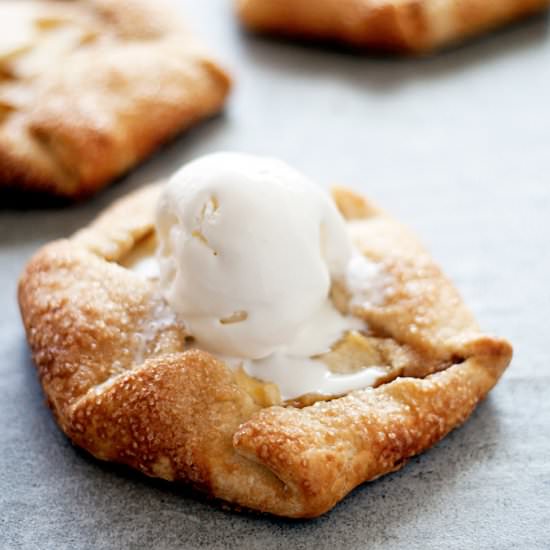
x: 389, y: 25
x: 90, y: 88
x: 124, y: 385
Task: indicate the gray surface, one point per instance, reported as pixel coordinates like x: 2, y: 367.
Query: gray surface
x: 458, y: 147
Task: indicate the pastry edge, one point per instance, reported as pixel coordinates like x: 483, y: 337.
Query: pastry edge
x: 383, y: 26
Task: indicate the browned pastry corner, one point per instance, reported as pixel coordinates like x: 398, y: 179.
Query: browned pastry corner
x: 388, y: 25
x: 125, y: 384
x: 90, y: 88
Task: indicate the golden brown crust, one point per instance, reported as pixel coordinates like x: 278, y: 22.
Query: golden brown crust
x: 120, y: 79
x: 123, y: 385
x: 388, y: 25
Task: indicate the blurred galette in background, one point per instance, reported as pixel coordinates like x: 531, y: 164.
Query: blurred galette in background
x: 90, y: 88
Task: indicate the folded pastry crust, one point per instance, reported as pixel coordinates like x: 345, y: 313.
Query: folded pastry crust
x: 391, y: 25
x: 124, y: 384
x: 90, y: 88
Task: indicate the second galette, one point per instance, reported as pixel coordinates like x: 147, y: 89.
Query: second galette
x: 90, y: 88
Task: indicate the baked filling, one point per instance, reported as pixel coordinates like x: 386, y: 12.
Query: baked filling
x: 37, y: 38
x: 355, y: 352
x: 378, y: 358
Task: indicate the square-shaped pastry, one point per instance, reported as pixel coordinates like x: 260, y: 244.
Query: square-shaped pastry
x: 243, y: 331
x: 89, y: 88
x: 388, y: 25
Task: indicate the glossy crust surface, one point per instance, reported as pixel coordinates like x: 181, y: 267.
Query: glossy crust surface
x: 388, y: 25
x: 90, y: 88
x: 116, y: 372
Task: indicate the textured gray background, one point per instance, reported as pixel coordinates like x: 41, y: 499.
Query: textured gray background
x: 457, y: 146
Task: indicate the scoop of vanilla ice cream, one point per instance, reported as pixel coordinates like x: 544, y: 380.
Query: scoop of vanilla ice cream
x: 247, y: 250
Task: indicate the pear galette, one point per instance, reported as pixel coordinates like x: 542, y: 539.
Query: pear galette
x: 126, y: 383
